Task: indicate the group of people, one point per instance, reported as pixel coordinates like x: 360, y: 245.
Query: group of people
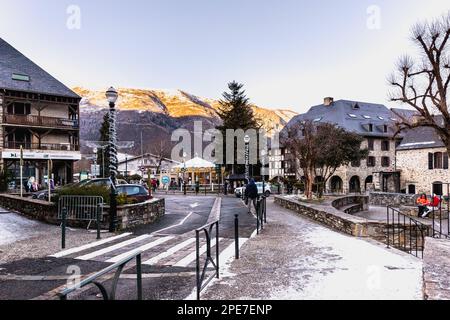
x: 31, y: 185
x: 426, y: 206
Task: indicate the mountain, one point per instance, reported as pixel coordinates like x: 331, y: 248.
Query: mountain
x: 157, y: 113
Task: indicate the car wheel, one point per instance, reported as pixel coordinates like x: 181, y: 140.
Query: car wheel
x: 267, y: 194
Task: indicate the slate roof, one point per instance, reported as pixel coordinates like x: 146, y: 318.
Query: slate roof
x: 14, y: 62
x: 421, y: 138
x: 353, y: 116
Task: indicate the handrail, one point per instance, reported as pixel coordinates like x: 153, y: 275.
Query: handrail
x: 112, y: 294
x: 201, y: 273
x: 41, y: 121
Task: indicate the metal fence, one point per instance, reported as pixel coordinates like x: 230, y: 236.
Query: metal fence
x: 201, y: 272
x: 80, y: 208
x: 94, y: 279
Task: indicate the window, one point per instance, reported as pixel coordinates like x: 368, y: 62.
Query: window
x: 317, y: 120
x: 370, y: 127
x: 385, y: 162
x: 371, y: 144
x: 385, y: 145
x: 381, y: 118
x: 352, y: 115
x: 20, y: 77
x: 371, y: 162
x: 19, y: 108
x: 438, y: 160
x: 385, y: 129
x: 367, y: 117
x: 356, y: 106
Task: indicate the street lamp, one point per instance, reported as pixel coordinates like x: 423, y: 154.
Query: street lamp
x: 247, y: 158
x: 95, y: 162
x: 263, y: 162
x: 112, y: 96
x: 184, y: 172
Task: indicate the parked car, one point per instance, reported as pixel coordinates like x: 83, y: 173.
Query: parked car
x: 134, y: 192
x: 240, y: 192
x: 43, y: 194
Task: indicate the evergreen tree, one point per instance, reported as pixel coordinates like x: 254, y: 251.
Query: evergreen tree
x: 236, y: 112
x: 104, y: 137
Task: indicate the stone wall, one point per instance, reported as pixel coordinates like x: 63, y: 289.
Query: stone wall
x: 128, y: 216
x: 414, y: 167
x: 351, y: 204
x: 392, y: 199
x: 436, y: 269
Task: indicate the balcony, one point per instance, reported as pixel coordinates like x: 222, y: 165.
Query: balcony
x: 37, y: 121
x: 43, y: 146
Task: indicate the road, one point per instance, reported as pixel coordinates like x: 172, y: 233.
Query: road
x: 168, y: 254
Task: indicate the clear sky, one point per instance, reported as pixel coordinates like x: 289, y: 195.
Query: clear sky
x: 289, y: 53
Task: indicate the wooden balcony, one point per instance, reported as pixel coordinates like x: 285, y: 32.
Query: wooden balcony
x: 37, y: 121
x: 42, y: 146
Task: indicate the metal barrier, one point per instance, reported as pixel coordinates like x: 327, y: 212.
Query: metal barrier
x: 236, y: 235
x: 112, y: 294
x: 405, y: 233
x: 261, y: 213
x: 201, y: 272
x: 80, y: 208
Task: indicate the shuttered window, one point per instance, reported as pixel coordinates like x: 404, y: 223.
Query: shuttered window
x: 445, y: 161
x: 430, y: 161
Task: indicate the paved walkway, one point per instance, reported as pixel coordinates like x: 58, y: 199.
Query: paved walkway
x: 295, y: 258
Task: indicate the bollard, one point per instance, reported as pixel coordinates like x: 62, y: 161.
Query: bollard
x: 236, y: 235
x: 63, y: 226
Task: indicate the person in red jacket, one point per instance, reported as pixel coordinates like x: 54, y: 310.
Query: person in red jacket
x: 434, y: 204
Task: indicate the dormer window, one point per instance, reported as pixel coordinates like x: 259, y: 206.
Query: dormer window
x: 385, y: 129
x: 381, y: 118
x: 356, y: 106
x: 367, y: 117
x: 354, y: 116
x: 317, y: 120
x: 370, y: 127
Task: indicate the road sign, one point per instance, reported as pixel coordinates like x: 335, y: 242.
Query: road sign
x: 95, y: 170
x: 166, y: 180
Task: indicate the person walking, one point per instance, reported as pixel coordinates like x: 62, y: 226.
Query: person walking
x: 251, y: 195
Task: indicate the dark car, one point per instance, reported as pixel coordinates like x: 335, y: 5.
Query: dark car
x: 43, y: 194
x: 134, y: 192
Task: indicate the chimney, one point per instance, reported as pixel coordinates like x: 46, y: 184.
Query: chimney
x: 328, y: 101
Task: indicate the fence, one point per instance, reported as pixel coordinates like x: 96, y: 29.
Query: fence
x: 112, y: 294
x: 202, y: 271
x: 80, y: 208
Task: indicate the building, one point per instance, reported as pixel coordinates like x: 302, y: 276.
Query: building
x: 39, y: 114
x: 376, y: 123
x: 422, y: 160
x: 149, y: 164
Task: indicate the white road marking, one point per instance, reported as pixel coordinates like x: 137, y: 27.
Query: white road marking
x: 169, y: 252
x: 88, y: 246
x: 195, y: 205
x: 176, y: 225
x: 112, y: 248
x: 143, y: 248
x: 191, y: 257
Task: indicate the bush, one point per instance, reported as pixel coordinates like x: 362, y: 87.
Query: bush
x: 95, y: 191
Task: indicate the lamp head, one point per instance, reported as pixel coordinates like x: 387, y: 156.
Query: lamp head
x: 112, y: 95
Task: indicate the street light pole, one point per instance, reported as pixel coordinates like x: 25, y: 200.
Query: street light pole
x: 247, y: 158
x: 95, y: 162
x: 112, y: 96
x: 126, y: 166
x: 263, y: 162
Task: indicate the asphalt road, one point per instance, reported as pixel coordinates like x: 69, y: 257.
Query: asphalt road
x: 168, y: 255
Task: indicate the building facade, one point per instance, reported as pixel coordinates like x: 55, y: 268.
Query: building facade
x: 423, y: 162
x: 40, y: 115
x: 374, y: 122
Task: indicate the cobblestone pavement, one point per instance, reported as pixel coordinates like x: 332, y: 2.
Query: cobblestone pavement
x: 295, y: 258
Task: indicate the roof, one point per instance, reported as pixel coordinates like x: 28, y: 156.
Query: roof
x: 128, y: 158
x: 421, y: 138
x: 196, y: 163
x: 14, y: 62
x: 352, y: 116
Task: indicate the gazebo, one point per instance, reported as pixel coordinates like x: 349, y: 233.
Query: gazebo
x: 197, y: 169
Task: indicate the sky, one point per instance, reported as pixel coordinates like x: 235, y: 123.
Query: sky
x: 290, y: 54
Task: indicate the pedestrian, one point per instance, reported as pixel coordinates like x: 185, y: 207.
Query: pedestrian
x: 433, y: 204
x: 251, y: 195
x: 422, y: 203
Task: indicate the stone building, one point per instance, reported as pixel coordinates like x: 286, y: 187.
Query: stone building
x: 422, y: 160
x: 376, y: 123
x: 39, y: 114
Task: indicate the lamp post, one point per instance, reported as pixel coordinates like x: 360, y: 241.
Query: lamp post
x: 112, y: 96
x: 184, y: 173
x: 126, y: 167
x: 247, y: 158
x: 263, y: 173
x: 95, y: 162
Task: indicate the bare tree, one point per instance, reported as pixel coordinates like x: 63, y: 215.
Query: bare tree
x: 423, y: 83
x: 160, y: 151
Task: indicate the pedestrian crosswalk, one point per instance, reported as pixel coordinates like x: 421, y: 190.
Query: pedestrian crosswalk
x: 177, y: 251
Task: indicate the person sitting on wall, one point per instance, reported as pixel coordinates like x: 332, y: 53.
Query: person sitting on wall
x: 433, y: 204
x: 422, y: 203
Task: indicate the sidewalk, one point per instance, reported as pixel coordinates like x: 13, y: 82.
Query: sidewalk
x: 295, y: 258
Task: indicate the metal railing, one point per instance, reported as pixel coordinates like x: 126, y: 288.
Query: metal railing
x: 202, y: 271
x: 41, y: 146
x: 40, y: 121
x: 80, y: 208
x: 405, y: 233
x: 261, y: 213
x: 112, y: 293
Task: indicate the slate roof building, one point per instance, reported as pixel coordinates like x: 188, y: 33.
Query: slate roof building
x: 376, y: 123
x: 39, y: 114
x: 422, y: 159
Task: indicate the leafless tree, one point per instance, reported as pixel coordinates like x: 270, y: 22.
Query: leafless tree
x: 423, y: 82
x: 160, y: 151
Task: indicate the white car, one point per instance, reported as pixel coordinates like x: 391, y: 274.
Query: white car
x: 240, y: 192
